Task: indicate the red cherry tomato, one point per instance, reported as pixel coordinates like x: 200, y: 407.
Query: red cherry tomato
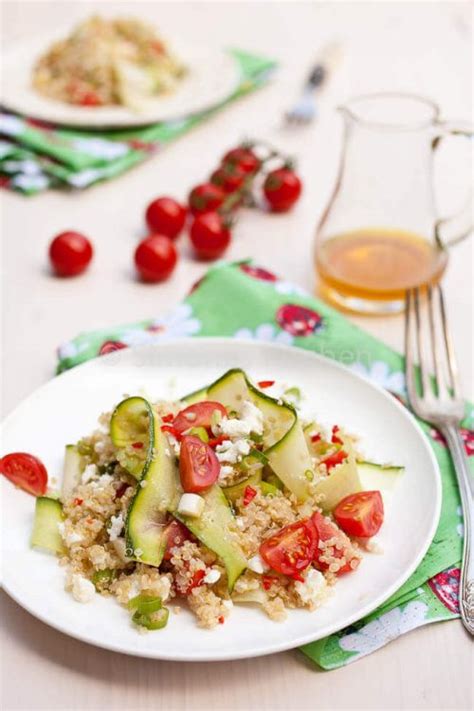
x: 198, y: 465
x: 155, y: 258
x: 326, y: 530
x: 209, y: 235
x: 70, y: 253
x: 229, y: 177
x: 291, y: 549
x: 205, y: 198
x: 165, y: 216
x: 282, y: 189
x: 198, y: 415
x: 25, y: 471
x: 175, y: 535
x: 244, y: 158
x: 360, y: 514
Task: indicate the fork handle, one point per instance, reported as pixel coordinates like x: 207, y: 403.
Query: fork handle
x: 466, y: 487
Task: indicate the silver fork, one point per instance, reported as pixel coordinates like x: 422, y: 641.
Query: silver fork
x: 440, y: 402
x: 305, y: 110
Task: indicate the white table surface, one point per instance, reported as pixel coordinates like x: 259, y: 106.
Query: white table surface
x: 422, y: 47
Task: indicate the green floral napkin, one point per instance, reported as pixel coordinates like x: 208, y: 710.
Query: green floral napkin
x: 35, y: 155
x: 245, y: 301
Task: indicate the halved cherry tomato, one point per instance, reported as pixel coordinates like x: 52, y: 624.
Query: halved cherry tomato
x: 214, y: 441
x: 291, y: 549
x: 198, y: 465
x: 335, y: 458
x: 25, y: 471
x: 360, y: 514
x: 198, y: 415
x: 176, y: 534
x: 326, y: 530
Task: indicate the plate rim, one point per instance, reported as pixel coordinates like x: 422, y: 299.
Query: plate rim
x: 278, y: 646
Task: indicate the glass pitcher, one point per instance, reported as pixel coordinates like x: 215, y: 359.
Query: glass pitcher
x: 380, y: 234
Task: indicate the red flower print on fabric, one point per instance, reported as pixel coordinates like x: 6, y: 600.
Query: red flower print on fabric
x: 111, y: 346
x: 467, y: 437
x: 258, y: 272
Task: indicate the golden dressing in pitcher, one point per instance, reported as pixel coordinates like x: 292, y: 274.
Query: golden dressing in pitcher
x: 378, y: 263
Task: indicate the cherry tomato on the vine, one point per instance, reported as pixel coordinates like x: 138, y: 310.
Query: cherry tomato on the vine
x: 244, y: 158
x: 209, y: 235
x: 70, y: 253
x: 282, y: 189
x: 155, y: 258
x: 166, y: 216
x: 205, y: 198
x: 229, y: 177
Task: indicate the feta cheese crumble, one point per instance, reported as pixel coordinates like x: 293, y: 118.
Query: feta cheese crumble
x: 116, y: 527
x: 310, y: 589
x: 82, y: 589
x: 250, y: 420
x: 232, y: 452
x: 90, y: 472
x: 212, y: 576
x: 191, y: 505
x: 257, y: 564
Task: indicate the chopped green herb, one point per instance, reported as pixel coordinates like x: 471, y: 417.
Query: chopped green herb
x: 199, y: 432
x: 309, y: 475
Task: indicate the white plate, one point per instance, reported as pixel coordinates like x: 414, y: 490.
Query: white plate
x: 67, y: 408
x: 213, y: 75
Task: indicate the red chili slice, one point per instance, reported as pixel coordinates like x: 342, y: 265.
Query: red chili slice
x: 249, y: 494
x: 265, y: 384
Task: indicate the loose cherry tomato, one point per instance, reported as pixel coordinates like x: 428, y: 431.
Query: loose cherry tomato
x: 198, y: 465
x: 291, y: 549
x: 198, y: 415
x: 165, y: 216
x: 209, y: 235
x: 244, y: 158
x: 25, y: 471
x: 175, y: 535
x: 282, y: 189
x: 326, y: 530
x: 70, y: 253
x: 205, y: 198
x: 155, y: 258
x: 360, y: 514
x: 229, y: 177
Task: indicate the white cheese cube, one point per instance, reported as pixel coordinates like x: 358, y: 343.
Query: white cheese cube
x: 257, y: 564
x: 82, y: 589
x: 191, y: 505
x: 212, y: 576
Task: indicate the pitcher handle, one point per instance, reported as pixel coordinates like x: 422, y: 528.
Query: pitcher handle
x: 460, y: 224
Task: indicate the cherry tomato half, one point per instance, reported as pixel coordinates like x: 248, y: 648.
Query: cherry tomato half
x: 198, y: 465
x: 360, y: 514
x: 165, y: 216
x: 25, y: 471
x: 282, y: 189
x: 291, y: 549
x: 175, y: 535
x: 198, y: 415
x: 205, y: 198
x: 155, y: 258
x: 209, y: 235
x: 70, y: 253
x: 244, y: 158
x: 229, y: 177
x: 326, y: 530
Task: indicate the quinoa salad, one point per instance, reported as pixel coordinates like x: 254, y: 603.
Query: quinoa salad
x: 107, y: 63
x: 228, y: 496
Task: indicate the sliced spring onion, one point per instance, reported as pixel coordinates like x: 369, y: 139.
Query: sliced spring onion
x: 309, y: 475
x: 154, y: 621
x: 293, y: 395
x: 199, y: 432
x: 145, y: 604
x: 268, y: 489
x: 103, y: 576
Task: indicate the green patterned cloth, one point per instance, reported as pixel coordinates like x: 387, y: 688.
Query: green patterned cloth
x: 35, y: 155
x: 245, y: 301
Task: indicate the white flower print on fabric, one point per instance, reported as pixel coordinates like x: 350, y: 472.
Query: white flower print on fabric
x: 70, y: 349
x: 30, y: 182
x: 100, y: 148
x: 85, y: 177
x: 387, y: 627
x: 286, y: 287
x: 460, y: 526
x: 180, y: 322
x: 379, y: 373
x: 11, y: 125
x: 27, y: 167
x: 265, y: 332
